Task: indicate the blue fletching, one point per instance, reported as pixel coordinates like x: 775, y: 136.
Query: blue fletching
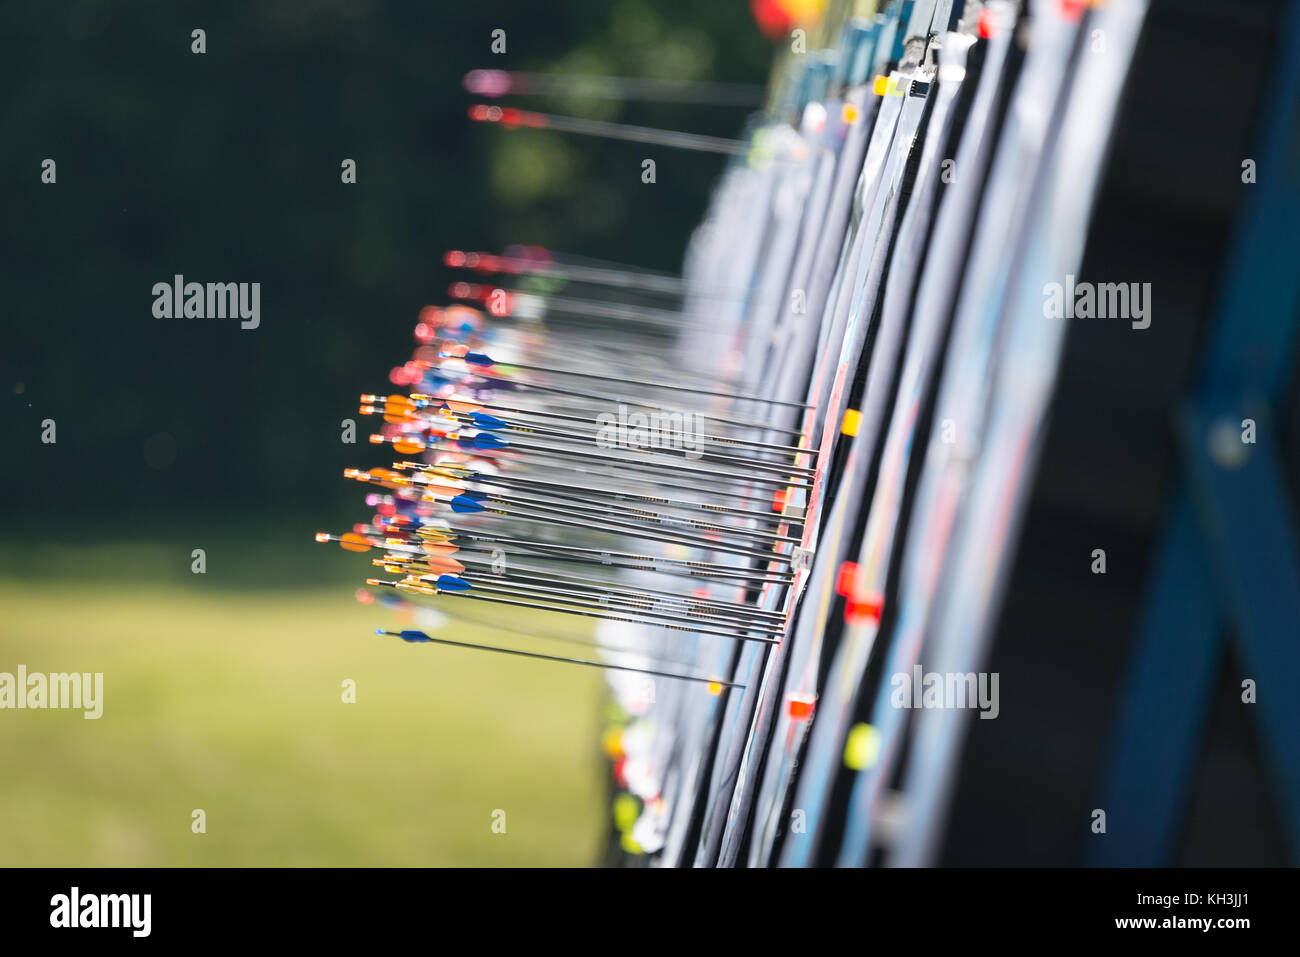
x: 463, y: 503
x: 466, y: 442
x: 412, y: 635
x: 484, y: 421
x: 486, y: 440
x: 478, y: 359
x: 452, y: 583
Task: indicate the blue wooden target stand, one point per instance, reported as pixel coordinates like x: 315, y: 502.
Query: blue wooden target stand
x: 1226, y: 568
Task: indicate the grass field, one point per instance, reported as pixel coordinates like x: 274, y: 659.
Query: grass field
x: 227, y: 697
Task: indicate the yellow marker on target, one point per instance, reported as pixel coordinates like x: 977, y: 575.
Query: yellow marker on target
x: 862, y: 747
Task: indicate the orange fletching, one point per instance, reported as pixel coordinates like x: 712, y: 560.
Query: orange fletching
x: 353, y: 542
x: 444, y: 565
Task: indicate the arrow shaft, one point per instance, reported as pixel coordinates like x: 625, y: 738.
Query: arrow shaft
x: 572, y: 661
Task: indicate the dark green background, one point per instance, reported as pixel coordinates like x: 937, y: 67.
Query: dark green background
x: 225, y: 167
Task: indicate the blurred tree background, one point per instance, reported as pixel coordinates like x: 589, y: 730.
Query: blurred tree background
x: 225, y: 167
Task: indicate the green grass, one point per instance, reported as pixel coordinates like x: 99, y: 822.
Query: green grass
x: 229, y: 699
